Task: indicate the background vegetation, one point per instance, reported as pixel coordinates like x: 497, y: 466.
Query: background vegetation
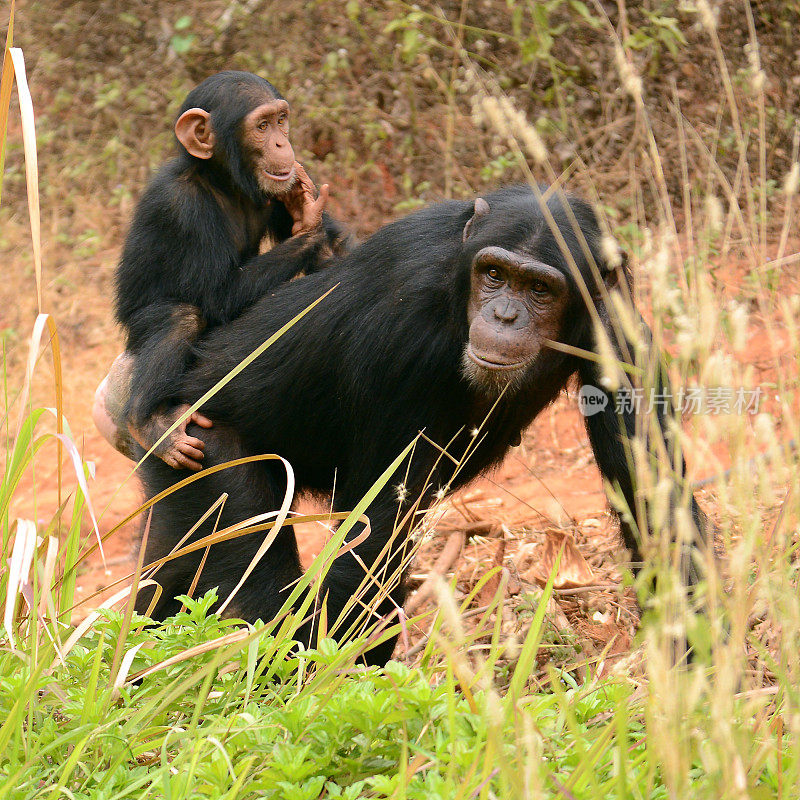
x: 680, y: 119
x: 383, y: 109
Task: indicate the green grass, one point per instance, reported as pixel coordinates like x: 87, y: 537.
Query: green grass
x: 283, y: 725
x: 250, y: 719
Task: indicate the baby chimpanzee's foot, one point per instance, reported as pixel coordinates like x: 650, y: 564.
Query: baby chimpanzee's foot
x: 178, y: 450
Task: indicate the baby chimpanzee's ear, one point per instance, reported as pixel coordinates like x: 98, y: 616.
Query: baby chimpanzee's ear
x: 195, y: 133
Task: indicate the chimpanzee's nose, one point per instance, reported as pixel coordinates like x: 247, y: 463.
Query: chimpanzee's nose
x: 506, y: 311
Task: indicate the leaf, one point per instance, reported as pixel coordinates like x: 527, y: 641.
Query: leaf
x: 573, y: 571
x: 182, y: 44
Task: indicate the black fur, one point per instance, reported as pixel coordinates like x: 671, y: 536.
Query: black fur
x: 356, y: 380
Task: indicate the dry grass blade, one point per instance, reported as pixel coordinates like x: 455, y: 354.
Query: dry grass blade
x: 492, y: 585
x: 23, y: 400
x: 280, y: 518
x: 47, y: 577
x: 6, y: 84
x: 31, y: 165
x: 77, y: 463
x: 177, y: 487
x: 18, y: 570
x: 80, y: 630
x: 204, y: 647
x: 124, y: 668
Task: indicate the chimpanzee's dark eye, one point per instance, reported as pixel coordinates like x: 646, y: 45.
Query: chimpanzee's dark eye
x: 540, y: 287
x: 263, y: 125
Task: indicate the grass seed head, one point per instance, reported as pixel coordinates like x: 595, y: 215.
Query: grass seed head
x: 715, y: 214
x: 610, y: 249
x: 708, y: 15
x: 791, y: 182
x: 738, y: 320
x: 630, y: 80
x: 610, y: 377
x: 494, y: 116
x: 764, y: 428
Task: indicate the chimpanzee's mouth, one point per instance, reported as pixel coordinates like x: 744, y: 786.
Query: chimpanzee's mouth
x: 280, y: 176
x: 493, y: 363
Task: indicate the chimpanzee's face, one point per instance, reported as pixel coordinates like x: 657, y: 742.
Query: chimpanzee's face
x: 266, y: 147
x: 516, y: 303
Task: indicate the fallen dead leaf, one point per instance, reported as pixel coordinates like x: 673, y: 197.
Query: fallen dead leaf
x: 573, y: 571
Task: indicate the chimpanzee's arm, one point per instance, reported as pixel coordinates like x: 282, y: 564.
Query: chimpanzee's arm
x: 263, y: 273
x: 613, y: 428
x: 337, y: 238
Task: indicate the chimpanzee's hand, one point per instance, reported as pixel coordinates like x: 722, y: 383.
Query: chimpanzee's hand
x: 303, y: 204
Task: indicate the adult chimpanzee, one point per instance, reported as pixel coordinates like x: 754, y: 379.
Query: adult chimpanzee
x: 440, y: 323
x: 191, y: 259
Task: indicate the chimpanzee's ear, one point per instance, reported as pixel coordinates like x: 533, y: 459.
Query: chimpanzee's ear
x: 481, y: 209
x: 195, y: 133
